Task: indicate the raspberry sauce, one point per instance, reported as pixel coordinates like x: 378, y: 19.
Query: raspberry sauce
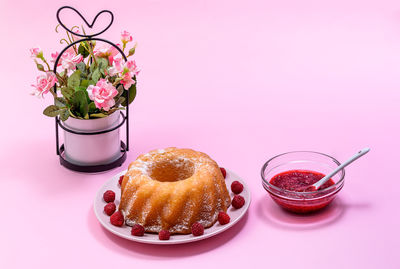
x: 299, y: 181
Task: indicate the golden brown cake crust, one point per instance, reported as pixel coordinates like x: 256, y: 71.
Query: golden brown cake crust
x: 172, y: 188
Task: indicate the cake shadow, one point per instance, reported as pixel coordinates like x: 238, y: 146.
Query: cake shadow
x: 129, y: 248
x: 273, y: 214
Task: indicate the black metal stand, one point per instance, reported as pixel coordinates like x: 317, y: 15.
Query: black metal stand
x: 93, y: 168
x: 125, y: 118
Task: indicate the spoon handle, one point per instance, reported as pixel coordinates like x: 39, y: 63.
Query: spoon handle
x: 318, y: 184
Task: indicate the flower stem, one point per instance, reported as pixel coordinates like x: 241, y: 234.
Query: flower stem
x: 91, y: 53
x: 62, y: 40
x: 48, y: 66
x: 61, y: 79
x: 71, y: 40
x: 116, y: 82
x: 53, y: 93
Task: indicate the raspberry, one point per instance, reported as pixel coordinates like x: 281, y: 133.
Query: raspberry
x: 109, y: 196
x: 236, y: 187
x: 117, y: 219
x: 110, y: 208
x: 237, y: 201
x: 137, y: 230
x: 197, y: 229
x: 120, y: 180
x: 164, y: 235
x: 223, y: 171
x: 223, y: 218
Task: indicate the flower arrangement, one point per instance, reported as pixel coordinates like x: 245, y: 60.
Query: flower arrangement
x: 94, y: 78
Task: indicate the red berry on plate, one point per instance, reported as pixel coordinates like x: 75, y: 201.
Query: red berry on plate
x: 223, y: 171
x: 236, y: 187
x: 110, y: 208
x: 109, y: 196
x: 117, y: 219
x: 223, y: 218
x: 120, y: 180
x: 197, y: 229
x: 137, y: 230
x: 237, y: 201
x: 164, y: 235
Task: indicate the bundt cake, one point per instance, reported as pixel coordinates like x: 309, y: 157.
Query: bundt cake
x: 170, y: 189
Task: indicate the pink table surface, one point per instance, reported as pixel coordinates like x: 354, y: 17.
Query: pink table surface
x: 241, y: 81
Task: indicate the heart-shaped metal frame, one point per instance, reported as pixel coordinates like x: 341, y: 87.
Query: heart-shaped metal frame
x: 86, y: 22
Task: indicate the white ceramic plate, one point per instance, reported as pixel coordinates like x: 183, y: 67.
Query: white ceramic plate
x: 149, y: 238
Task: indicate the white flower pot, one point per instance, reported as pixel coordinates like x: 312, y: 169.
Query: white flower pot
x: 92, y: 149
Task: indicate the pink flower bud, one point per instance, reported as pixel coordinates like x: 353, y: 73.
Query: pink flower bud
x: 126, y: 37
x: 36, y: 52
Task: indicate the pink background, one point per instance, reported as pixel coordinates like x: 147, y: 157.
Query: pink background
x: 241, y: 81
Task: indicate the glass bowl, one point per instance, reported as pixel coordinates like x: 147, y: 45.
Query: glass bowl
x: 302, y: 202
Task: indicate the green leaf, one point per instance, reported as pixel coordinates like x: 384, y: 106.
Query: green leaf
x: 64, y: 115
x: 80, y: 104
x: 67, y: 92
x: 92, y: 107
x: 60, y: 102
x: 132, y: 93
x: 81, y: 66
x: 96, y: 75
x: 102, y: 62
x: 80, y: 88
x: 83, y: 51
x: 83, y: 89
x: 52, y: 111
x: 84, y: 83
x: 93, y: 65
x: 119, y: 101
x: 75, y: 79
x: 98, y: 115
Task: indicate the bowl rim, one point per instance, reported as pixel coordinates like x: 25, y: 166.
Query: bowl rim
x: 327, y: 191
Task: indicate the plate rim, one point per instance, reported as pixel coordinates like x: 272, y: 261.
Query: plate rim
x: 173, y: 240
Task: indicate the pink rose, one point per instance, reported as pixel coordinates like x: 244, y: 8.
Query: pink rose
x: 106, y: 51
x: 54, y: 57
x: 36, y: 52
x: 44, y: 83
x: 130, y: 70
x: 69, y: 59
x: 126, y: 37
x: 127, y: 81
x: 125, y: 71
x: 132, y: 67
x: 102, y: 94
x: 116, y: 68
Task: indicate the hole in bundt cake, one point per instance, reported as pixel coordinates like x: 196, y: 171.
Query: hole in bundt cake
x: 172, y: 170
